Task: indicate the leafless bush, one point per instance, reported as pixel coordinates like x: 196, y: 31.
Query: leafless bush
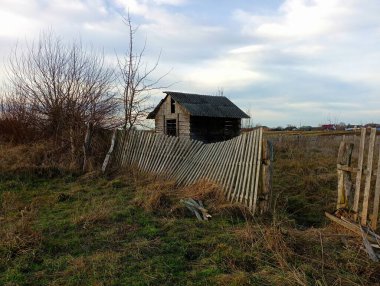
x: 59, y: 90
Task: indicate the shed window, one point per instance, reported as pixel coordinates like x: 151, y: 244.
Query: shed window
x: 172, y: 105
x: 171, y: 127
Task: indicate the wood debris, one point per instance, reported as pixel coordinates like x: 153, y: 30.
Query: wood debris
x: 371, y: 240
x: 197, y: 208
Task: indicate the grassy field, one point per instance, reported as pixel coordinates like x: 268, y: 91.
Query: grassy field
x: 58, y: 228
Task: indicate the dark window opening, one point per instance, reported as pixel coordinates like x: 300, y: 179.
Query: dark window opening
x: 228, y: 128
x: 171, y: 127
x: 172, y: 105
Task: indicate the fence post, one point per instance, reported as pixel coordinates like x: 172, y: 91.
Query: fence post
x: 359, y: 173
x: 264, y: 199
x: 110, y: 151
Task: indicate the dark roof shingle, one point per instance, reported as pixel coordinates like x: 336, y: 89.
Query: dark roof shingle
x: 203, y: 105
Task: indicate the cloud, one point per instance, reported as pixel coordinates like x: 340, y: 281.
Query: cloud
x: 300, y: 61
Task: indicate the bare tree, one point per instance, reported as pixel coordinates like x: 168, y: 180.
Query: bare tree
x: 65, y: 86
x: 136, y: 80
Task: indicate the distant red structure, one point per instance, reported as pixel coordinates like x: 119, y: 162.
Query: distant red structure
x: 328, y: 127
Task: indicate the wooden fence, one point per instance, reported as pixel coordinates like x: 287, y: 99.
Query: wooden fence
x: 362, y: 196
x: 241, y: 166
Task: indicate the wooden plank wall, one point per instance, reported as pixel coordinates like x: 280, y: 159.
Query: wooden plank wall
x: 234, y: 164
x: 366, y: 197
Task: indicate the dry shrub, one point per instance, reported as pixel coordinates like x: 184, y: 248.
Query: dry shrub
x: 205, y: 191
x: 156, y: 195
x: 41, y: 158
x: 47, y: 158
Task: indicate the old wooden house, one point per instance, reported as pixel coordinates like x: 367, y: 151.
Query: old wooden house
x: 201, y: 117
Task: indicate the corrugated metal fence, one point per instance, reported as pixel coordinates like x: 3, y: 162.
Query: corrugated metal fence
x: 234, y: 164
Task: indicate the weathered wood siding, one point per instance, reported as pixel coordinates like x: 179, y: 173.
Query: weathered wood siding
x: 210, y: 129
x: 181, y: 116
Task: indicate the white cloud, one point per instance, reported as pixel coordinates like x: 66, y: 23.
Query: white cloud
x: 287, y: 62
x: 226, y: 72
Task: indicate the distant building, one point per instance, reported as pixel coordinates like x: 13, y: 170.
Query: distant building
x: 328, y: 127
x: 200, y: 117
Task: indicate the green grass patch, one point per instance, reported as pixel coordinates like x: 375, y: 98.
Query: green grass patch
x: 92, y: 230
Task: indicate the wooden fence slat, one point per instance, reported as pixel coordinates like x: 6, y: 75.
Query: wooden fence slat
x: 255, y: 148
x: 125, y: 137
x: 189, y: 167
x: 140, y: 146
x: 193, y: 167
x: 188, y: 160
x: 208, y: 161
x: 199, y: 163
x: 186, y: 146
x: 251, y: 168
x: 143, y: 151
x: 138, y: 140
x: 150, y: 152
x: 119, y: 148
x: 218, y: 162
x: 240, y: 171
x: 359, y: 174
x: 341, y: 202
x: 160, y: 151
x: 375, y: 212
x: 116, y: 154
x: 226, y: 166
x: 169, y: 155
x: 232, y: 177
x: 244, y: 170
x: 258, y: 164
x: 368, y: 176
x: 132, y: 136
x: 246, y: 180
x: 150, y: 142
x: 230, y: 163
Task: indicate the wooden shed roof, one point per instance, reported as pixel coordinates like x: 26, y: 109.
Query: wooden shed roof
x: 203, y: 105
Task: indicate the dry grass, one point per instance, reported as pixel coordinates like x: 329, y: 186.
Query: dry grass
x: 40, y: 158
x: 163, y: 197
x: 132, y: 230
x: 17, y: 233
x: 94, y: 212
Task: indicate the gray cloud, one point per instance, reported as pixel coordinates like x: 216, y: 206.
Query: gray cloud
x: 301, y: 61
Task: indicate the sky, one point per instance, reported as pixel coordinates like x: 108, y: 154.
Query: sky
x: 299, y: 62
